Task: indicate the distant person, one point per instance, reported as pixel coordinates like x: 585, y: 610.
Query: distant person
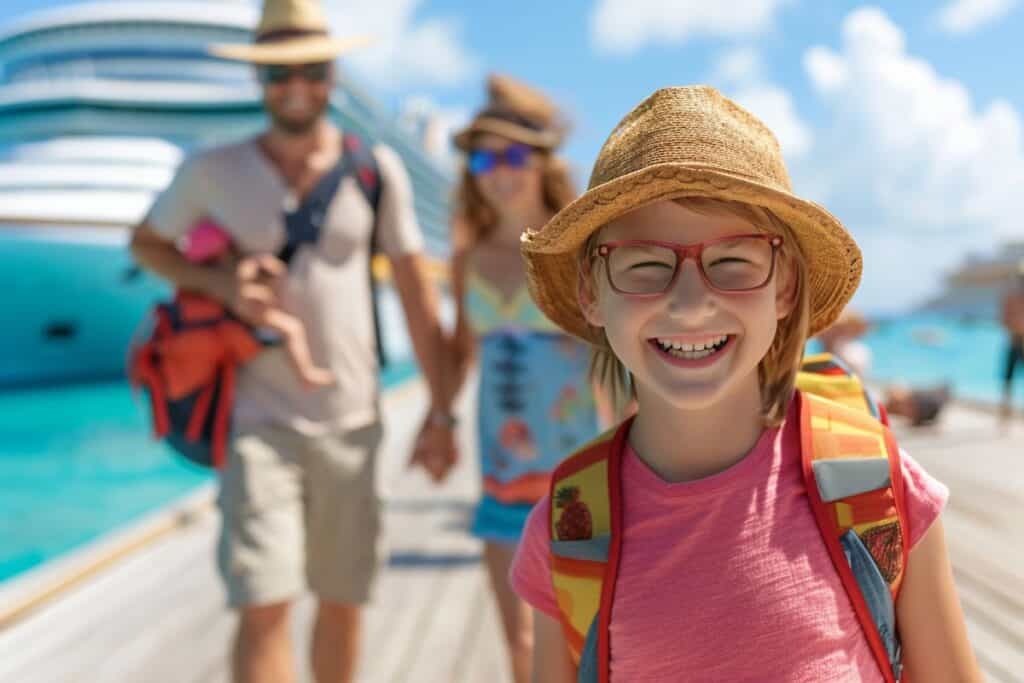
x: 535, y: 399
x: 921, y: 406
x: 297, y: 498
x: 734, y: 529
x: 1013, y: 322
x: 843, y: 339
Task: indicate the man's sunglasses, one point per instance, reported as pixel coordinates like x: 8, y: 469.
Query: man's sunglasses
x: 483, y: 161
x: 275, y: 74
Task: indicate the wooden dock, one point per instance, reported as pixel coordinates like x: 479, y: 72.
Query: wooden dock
x: 984, y: 469
x: 155, y: 612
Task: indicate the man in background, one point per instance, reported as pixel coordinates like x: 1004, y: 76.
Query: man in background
x: 1013, y: 322
x: 297, y: 495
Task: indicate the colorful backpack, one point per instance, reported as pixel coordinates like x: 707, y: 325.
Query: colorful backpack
x: 854, y: 482
x: 189, y: 361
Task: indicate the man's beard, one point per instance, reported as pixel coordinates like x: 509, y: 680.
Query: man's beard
x: 296, y: 127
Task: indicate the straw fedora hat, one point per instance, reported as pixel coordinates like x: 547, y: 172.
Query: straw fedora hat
x: 688, y: 141
x: 291, y: 32
x: 518, y: 112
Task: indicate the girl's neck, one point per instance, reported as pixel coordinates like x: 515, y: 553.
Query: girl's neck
x: 683, y: 445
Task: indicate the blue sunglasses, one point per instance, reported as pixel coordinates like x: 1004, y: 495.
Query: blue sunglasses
x: 483, y: 161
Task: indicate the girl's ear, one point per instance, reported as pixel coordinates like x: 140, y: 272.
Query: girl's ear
x: 786, y: 288
x: 587, y: 296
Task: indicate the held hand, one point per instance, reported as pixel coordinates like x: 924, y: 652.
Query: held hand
x: 435, y: 450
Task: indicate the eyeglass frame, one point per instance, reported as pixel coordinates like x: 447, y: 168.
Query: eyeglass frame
x: 682, y: 252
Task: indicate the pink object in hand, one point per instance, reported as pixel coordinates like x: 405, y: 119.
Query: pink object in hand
x: 205, y: 241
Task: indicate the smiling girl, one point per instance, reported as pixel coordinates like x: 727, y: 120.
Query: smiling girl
x: 736, y: 529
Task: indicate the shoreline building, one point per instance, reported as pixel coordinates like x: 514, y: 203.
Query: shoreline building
x: 974, y: 290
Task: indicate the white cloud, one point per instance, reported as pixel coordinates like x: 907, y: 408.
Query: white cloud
x: 741, y: 72
x: 407, y: 51
x: 964, y: 16
x: 624, y: 26
x: 775, y: 107
x: 740, y: 64
x: 908, y: 160
x: 826, y: 69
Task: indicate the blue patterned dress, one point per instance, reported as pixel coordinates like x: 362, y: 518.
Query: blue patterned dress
x: 534, y: 407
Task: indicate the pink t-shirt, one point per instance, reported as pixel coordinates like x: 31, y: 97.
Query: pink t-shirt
x: 727, y: 578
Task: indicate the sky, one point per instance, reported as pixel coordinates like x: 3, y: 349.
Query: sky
x: 903, y: 118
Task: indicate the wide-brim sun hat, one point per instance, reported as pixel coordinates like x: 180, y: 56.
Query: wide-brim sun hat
x: 517, y: 112
x: 688, y: 141
x: 291, y: 32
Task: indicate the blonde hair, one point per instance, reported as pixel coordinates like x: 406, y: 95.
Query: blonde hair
x: 777, y: 370
x: 480, y: 218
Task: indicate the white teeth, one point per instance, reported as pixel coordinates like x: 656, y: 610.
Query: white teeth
x: 692, y: 351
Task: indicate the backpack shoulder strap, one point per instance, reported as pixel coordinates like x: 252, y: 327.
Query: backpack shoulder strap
x: 825, y: 375
x: 364, y: 167
x: 304, y: 223
x: 851, y: 468
x: 586, y: 517
x: 366, y: 172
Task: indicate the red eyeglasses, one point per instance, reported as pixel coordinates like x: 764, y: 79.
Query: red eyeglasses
x: 648, y: 268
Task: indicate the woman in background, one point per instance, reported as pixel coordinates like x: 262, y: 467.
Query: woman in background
x: 535, y: 401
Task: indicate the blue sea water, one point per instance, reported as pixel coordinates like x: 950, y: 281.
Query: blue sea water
x: 931, y: 349
x: 78, y: 461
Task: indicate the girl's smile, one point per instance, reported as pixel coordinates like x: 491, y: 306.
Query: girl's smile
x: 693, y: 354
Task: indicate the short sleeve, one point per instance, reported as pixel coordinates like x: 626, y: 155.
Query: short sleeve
x: 182, y: 203
x: 398, y: 230
x: 530, y: 574
x: 925, y: 496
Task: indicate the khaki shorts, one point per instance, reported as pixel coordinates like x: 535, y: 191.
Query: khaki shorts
x: 300, y: 511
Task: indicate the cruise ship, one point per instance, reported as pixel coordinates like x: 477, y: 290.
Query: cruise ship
x: 974, y: 290
x: 99, y: 102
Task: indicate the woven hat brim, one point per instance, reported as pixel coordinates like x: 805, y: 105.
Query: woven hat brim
x: 304, y: 50
x: 833, y: 258
x: 506, y: 129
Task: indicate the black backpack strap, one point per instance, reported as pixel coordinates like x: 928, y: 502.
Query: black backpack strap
x: 366, y: 170
x: 367, y: 176
x: 305, y: 223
